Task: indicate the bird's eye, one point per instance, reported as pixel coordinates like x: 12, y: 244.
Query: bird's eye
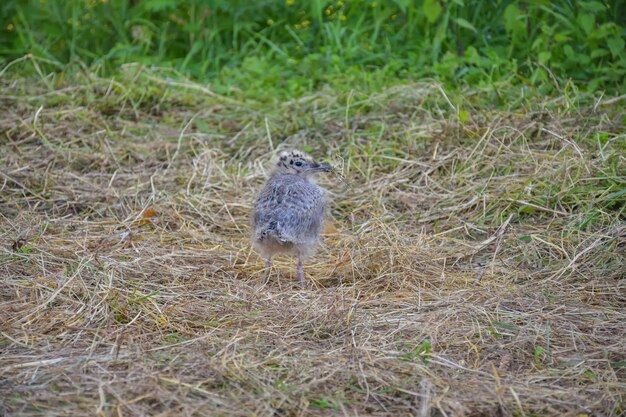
x: 298, y: 164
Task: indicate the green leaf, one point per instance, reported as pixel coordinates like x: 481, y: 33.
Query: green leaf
x: 512, y: 17
x: 471, y: 52
x: 202, y: 126
x: 616, y: 46
x: 588, y: 219
x: 145, y: 297
x: 587, y: 22
x: 432, y: 9
x: 597, y: 53
x: 606, y: 30
x: 544, y: 57
x: 174, y: 338
x: 403, y: 4
x: 583, y: 59
x: 464, y: 116
x: 422, y: 352
x: 159, y: 5
x: 593, y: 6
x: 526, y: 210
x: 537, y: 353
x: 590, y: 374
x: 562, y: 37
x: 192, y: 27
x: 615, y: 195
x: 323, y: 403
x: 464, y: 23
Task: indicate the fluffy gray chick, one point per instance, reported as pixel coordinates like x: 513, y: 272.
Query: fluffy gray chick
x: 288, y: 215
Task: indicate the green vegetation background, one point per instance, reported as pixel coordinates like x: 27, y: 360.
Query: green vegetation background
x: 286, y: 48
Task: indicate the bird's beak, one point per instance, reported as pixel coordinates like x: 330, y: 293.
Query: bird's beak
x: 323, y: 168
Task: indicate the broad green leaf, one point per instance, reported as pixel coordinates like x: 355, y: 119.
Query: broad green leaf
x: 605, y: 30
x: 464, y: 116
x: 547, y: 29
x: 587, y: 22
x: 432, y: 10
x: 512, y: 16
x: 526, y: 210
x: 471, y: 52
x: 616, y: 46
x: 593, y: 6
x: 544, y: 57
x: 464, y: 23
x: 537, y: 353
x: 597, y: 53
x: 562, y: 37
x: 590, y: 374
x: 583, y: 59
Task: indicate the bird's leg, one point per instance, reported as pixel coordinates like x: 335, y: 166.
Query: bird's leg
x: 268, y: 267
x: 300, y: 273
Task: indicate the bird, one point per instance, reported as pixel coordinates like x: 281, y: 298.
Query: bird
x: 288, y: 214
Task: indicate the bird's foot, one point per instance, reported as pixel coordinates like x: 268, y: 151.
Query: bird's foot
x: 268, y: 269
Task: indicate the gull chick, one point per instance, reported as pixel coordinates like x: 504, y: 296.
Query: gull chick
x: 288, y: 214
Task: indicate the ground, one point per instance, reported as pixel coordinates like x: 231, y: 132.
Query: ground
x: 473, y: 261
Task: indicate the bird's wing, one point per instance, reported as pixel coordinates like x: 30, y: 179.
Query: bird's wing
x: 293, y: 211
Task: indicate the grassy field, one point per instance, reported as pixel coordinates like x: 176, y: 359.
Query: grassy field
x: 473, y: 264
x: 291, y: 47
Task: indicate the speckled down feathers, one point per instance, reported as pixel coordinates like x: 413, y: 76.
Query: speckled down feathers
x: 288, y: 216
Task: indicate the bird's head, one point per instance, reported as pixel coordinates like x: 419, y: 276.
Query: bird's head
x: 299, y: 163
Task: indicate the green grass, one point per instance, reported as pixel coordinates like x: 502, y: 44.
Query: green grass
x: 283, y: 49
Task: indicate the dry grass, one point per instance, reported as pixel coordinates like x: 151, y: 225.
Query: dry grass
x: 471, y: 268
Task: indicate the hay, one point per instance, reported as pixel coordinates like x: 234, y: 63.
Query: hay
x: 471, y: 268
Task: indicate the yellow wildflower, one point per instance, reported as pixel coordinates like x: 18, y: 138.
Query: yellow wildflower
x: 10, y: 27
